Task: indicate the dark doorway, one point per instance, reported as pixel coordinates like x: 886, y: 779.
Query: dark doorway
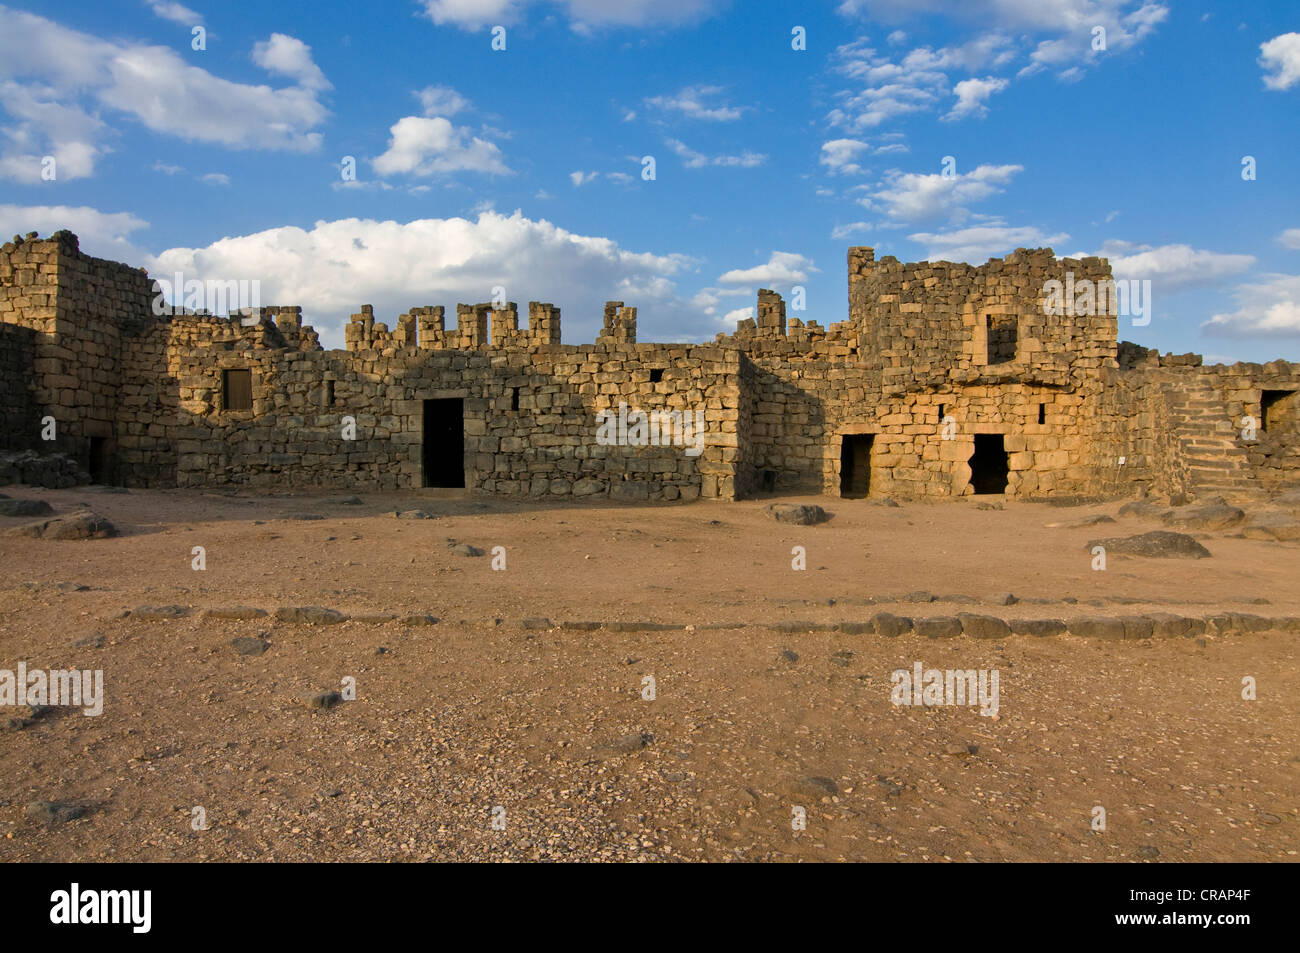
x: 988, y: 464
x: 97, y: 465
x: 855, y: 464
x: 444, y: 442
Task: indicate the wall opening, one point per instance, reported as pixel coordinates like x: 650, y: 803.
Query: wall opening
x: 1277, y: 409
x: 767, y: 481
x: 656, y: 375
x: 989, y: 466
x: 237, y: 389
x: 97, y: 464
x: 329, y: 394
x: 444, y: 442
x: 1042, y: 413
x: 514, y: 398
x: 1003, y: 332
x: 855, y: 464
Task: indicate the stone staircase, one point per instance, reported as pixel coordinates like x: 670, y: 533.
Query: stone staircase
x: 1208, y: 442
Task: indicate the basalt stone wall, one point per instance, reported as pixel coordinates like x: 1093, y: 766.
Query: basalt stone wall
x: 936, y: 322
x: 19, y: 420
x: 78, y: 307
x: 929, y: 343
x: 529, y: 416
x: 29, y: 312
x: 936, y: 361
x: 804, y: 408
x: 148, y: 419
x: 1270, y: 393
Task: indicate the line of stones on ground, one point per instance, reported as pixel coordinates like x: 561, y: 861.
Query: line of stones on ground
x: 887, y: 624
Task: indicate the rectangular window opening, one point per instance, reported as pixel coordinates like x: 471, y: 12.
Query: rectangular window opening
x: 1042, y: 413
x: 514, y: 398
x: 237, y: 389
x: 656, y: 375
x: 1003, y: 331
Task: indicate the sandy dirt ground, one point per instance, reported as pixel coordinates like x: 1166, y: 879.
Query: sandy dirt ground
x: 491, y: 735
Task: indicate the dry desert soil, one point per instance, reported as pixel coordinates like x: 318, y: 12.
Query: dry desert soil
x: 517, y: 725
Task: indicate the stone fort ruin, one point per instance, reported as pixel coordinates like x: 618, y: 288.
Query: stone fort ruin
x: 946, y: 380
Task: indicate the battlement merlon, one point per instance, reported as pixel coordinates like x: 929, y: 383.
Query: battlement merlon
x: 477, y: 326
x: 619, y: 326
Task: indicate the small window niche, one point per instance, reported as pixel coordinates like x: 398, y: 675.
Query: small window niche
x: 1003, y: 334
x: 237, y: 389
x: 656, y: 375
x: 327, y: 397
x: 1277, y: 409
x: 514, y: 398
x: 1042, y: 413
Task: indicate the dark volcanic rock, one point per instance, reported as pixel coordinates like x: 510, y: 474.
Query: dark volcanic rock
x: 25, y: 508
x: 803, y: 514
x: 1159, y: 544
x: 983, y: 626
x: 1205, y: 516
x: 938, y: 627
x: 890, y: 625
x: 311, y: 615
x: 81, y: 525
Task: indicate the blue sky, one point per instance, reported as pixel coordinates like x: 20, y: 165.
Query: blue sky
x: 523, y: 167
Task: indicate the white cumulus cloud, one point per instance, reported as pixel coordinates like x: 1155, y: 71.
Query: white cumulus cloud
x: 1280, y: 59
x: 1172, y: 267
x: 781, y: 268
x: 441, y: 101
x: 972, y: 95
x: 291, y: 57
x: 841, y: 155
x: 928, y: 197
x: 102, y: 234
x: 335, y: 266
x: 176, y: 13
x: 61, y: 87
x: 978, y: 243
x: 1269, y: 308
x: 424, y: 146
